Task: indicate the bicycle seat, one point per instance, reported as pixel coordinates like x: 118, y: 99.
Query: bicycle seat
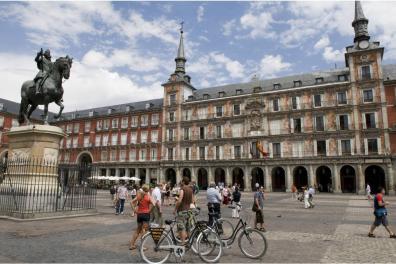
x: 169, y: 222
x: 202, y: 222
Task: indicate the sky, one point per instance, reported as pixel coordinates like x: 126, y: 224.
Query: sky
x: 124, y: 51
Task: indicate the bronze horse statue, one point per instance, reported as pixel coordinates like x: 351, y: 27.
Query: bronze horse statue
x: 52, y: 91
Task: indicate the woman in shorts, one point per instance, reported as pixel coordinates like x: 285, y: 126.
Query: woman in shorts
x: 143, y: 201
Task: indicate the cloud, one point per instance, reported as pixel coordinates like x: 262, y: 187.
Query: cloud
x: 258, y: 25
x: 228, y: 27
x: 234, y: 67
x: 322, y: 43
x: 200, y: 13
x: 331, y: 55
x: 270, y: 65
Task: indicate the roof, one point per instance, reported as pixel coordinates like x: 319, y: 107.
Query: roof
x: 121, y: 108
x: 13, y: 108
x: 389, y: 72
x: 286, y: 82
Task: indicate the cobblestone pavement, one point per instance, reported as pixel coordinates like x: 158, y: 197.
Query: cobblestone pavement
x: 334, y: 231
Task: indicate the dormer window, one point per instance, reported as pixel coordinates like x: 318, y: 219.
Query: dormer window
x: 91, y: 113
x: 127, y: 108
x: 206, y: 96
x: 277, y: 86
x: 1, y: 106
x: 319, y: 80
x: 109, y: 111
x: 297, y: 83
x: 73, y: 116
x: 342, y: 78
x: 257, y: 89
x: 238, y: 91
x: 148, y: 105
x: 190, y: 97
x: 221, y: 94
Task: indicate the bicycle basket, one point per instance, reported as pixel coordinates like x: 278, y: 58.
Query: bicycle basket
x: 156, y: 233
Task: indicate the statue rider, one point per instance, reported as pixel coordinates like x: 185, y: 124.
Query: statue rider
x: 44, y: 64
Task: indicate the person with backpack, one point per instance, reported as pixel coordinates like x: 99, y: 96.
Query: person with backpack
x: 236, y: 200
x: 380, y: 213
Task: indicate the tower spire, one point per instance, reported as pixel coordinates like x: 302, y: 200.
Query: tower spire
x: 180, y: 58
x: 360, y: 23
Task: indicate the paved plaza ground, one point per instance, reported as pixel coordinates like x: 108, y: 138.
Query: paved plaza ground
x: 334, y: 231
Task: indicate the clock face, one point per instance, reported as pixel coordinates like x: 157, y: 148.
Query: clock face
x: 363, y: 44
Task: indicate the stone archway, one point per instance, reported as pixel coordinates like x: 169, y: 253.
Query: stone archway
x: 348, y: 179
x: 202, y: 179
x: 238, y: 177
x: 186, y: 173
x: 142, y: 175
x: 300, y: 177
x: 323, y: 179
x: 85, y: 158
x: 374, y: 175
x: 278, y: 179
x: 220, y: 176
x: 257, y: 177
x: 170, y: 176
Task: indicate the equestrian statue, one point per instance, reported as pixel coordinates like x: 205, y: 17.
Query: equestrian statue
x: 46, y: 86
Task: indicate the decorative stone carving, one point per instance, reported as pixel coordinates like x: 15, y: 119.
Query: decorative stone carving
x: 21, y: 153
x: 50, y: 154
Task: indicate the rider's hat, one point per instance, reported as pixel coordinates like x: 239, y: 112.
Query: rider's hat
x: 47, y: 53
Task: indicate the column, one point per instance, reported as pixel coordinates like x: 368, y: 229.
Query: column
x: 267, y: 179
x: 107, y: 172
x: 159, y: 175
x: 127, y: 172
x: 336, y: 181
x: 289, y: 179
x: 360, y: 180
x: 247, y: 179
x: 391, y: 182
x: 193, y: 176
x: 311, y: 176
x: 147, y: 179
x: 210, y: 175
x: 117, y: 172
x: 228, y: 177
x: 178, y: 175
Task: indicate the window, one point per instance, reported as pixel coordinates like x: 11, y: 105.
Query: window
x: 276, y: 149
x: 237, y: 130
x: 154, y: 136
x: 127, y: 108
x: 366, y: 74
x: 134, y: 121
x: 319, y: 123
x: 237, y: 152
x: 132, y: 154
x: 1, y: 106
x: 346, y: 147
x: 319, y: 80
x: 295, y: 103
x: 69, y: 128
x: 113, y: 155
x: 144, y: 120
x: 297, y: 83
x: 114, y: 139
x: 368, y: 96
x: 87, y: 126
x: 297, y: 125
x: 172, y: 99
x: 114, y: 123
x: 170, y: 153
x: 370, y: 120
x: 106, y: 124
x: 237, y: 109
x: 67, y: 157
x: 218, y: 132
x: 99, y: 125
x: 372, y: 145
x: 257, y: 89
x: 187, y: 153
x: 343, y: 122
x: 202, y: 153
x: 142, y: 155
x: 187, y: 115
x: 341, y: 98
x: 112, y: 172
x: 186, y: 133
x: 277, y: 86
x: 14, y: 123
x: 153, y: 154
x: 68, y: 143
x: 321, y: 147
x: 317, y: 100
x: 202, y: 133
x: 205, y: 96
x: 219, y: 111
x: 171, y: 116
x: 75, y: 142
x: 170, y: 134
x: 221, y: 94
x: 217, y: 152
x: 190, y: 98
x: 122, y: 157
x: 124, y: 122
x: 342, y: 78
x: 109, y: 111
x: 154, y: 119
x: 105, y: 140
x: 103, y: 156
x: 298, y: 149
x: 1, y: 121
x: 202, y: 113
x: 143, y: 137
x: 76, y: 128
x: 275, y: 105
x: 86, y: 141
x: 133, y: 137
x: 123, y: 139
x: 238, y: 91
x: 97, y: 140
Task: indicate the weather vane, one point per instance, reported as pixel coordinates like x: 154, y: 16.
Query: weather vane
x: 181, y: 26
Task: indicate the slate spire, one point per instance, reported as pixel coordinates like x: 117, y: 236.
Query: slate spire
x: 360, y: 23
x: 180, y: 58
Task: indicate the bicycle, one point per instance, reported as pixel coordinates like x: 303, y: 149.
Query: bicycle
x: 248, y: 239
x: 158, y: 244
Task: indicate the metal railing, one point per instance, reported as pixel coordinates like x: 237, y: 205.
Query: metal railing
x: 39, y: 185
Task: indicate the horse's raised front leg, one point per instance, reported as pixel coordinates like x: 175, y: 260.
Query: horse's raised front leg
x: 46, y: 114
x: 31, y: 108
x: 61, y: 106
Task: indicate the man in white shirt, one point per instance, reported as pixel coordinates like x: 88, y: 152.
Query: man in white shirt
x: 156, y: 210
x: 368, y: 192
x: 122, y: 195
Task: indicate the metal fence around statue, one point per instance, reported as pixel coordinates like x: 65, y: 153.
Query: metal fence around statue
x: 33, y: 186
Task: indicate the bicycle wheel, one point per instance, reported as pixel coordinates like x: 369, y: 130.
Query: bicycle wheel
x: 227, y: 229
x: 152, y: 253
x: 210, y: 246
x: 252, y: 243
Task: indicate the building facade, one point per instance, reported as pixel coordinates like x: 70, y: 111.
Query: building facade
x: 335, y: 129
